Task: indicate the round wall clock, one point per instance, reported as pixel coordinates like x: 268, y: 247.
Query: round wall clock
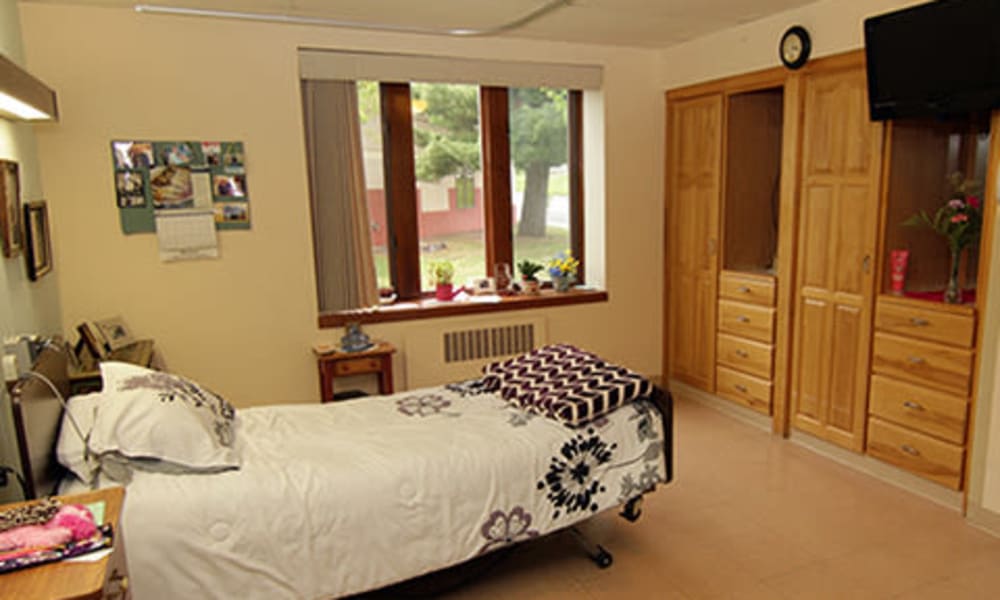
x: 794, y: 47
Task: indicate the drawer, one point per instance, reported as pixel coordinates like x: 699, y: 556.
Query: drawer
x: 747, y: 288
x: 940, y: 366
x: 918, y: 453
x: 744, y: 355
x: 357, y: 366
x: 925, y: 323
x: 743, y: 389
x: 747, y: 320
x: 928, y: 411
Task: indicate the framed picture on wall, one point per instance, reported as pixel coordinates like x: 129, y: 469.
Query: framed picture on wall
x: 37, y: 242
x: 10, y: 204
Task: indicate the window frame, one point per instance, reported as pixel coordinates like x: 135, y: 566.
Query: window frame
x: 401, y: 190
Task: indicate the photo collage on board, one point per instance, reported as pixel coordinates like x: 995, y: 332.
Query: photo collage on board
x: 152, y: 177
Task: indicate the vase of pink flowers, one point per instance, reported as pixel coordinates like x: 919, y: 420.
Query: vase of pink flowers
x: 959, y: 222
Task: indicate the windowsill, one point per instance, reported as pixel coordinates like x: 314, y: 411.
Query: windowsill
x: 429, y: 308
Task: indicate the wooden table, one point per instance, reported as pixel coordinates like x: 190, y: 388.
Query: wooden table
x: 106, y: 578
x: 377, y: 359
x: 87, y: 376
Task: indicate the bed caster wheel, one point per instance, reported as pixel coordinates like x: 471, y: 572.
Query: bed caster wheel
x: 603, y: 558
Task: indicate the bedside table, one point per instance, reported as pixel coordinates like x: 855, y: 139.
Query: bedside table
x: 87, y: 377
x: 377, y: 359
x: 104, y: 579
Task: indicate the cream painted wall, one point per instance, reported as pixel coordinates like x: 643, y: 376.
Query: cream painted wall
x: 244, y: 324
x: 834, y: 26
x: 25, y: 306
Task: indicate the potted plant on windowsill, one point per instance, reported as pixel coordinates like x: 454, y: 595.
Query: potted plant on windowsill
x: 562, y: 268
x: 442, y: 272
x: 529, y: 275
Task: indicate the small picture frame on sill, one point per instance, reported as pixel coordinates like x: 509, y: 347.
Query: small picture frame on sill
x: 37, y: 241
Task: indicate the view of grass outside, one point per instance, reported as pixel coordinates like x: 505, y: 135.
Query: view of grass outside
x: 465, y: 251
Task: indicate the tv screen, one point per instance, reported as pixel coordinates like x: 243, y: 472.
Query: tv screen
x: 941, y: 58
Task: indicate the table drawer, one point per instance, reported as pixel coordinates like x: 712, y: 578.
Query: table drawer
x: 928, y: 411
x: 747, y: 320
x: 357, y: 366
x: 925, y: 323
x: 918, y: 453
x: 744, y: 389
x: 940, y: 366
x: 744, y: 355
x: 747, y: 288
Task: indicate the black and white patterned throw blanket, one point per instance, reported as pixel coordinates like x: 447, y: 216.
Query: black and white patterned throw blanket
x: 563, y: 382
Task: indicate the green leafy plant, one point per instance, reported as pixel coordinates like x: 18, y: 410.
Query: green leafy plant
x: 442, y: 272
x: 529, y: 270
x: 959, y: 220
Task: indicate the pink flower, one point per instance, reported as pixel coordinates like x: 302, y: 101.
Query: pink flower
x: 960, y: 218
x: 974, y: 202
x: 956, y: 203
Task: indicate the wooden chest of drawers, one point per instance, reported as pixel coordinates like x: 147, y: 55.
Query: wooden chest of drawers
x: 922, y: 362
x: 745, y: 342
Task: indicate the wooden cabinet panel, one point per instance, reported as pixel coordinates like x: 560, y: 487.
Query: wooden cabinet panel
x: 838, y: 225
x: 920, y: 454
x: 942, y: 367
x: 744, y: 389
x: 810, y: 363
x: 747, y: 288
x: 747, y: 320
x: 931, y: 412
x: 694, y: 183
x: 925, y: 323
x: 745, y: 355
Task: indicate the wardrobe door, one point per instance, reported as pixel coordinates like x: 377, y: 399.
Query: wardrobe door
x: 837, y: 234
x: 694, y: 171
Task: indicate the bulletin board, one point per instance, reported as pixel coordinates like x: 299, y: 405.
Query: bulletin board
x: 168, y: 177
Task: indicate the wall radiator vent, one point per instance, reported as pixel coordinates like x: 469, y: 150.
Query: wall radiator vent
x: 435, y: 355
x: 488, y: 342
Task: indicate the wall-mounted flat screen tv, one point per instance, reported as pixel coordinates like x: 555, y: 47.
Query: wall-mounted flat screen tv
x: 941, y: 58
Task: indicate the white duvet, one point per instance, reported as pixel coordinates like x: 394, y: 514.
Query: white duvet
x: 340, y: 498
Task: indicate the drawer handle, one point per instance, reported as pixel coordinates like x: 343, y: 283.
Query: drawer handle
x: 918, y: 322
x: 741, y: 388
x: 743, y: 289
x: 913, y: 405
x: 742, y: 353
x: 910, y: 450
x: 916, y: 360
x: 743, y: 319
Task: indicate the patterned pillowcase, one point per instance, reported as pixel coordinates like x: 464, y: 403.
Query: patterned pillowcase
x: 156, y: 421
x: 565, y: 383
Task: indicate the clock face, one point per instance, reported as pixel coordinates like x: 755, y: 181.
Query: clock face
x: 794, y: 47
x: 791, y: 48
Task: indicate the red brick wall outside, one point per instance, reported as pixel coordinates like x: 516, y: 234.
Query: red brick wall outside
x: 432, y: 224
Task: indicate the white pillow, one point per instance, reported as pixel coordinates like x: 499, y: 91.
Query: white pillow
x: 71, y: 450
x: 157, y: 421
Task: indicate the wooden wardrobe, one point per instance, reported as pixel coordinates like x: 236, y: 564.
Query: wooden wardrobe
x: 783, y: 205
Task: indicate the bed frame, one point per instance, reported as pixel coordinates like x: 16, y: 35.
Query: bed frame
x: 37, y: 418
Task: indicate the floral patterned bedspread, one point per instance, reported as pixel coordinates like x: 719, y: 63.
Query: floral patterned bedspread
x: 340, y: 498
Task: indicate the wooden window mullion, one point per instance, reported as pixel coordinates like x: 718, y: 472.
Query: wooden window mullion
x: 575, y: 122
x: 497, y: 211
x: 400, y: 189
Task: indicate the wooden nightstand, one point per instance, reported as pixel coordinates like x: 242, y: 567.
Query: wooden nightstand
x: 105, y: 579
x: 377, y: 359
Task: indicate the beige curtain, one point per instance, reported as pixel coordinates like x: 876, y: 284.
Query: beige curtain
x: 345, y: 269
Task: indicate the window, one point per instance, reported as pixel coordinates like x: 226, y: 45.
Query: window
x: 475, y: 175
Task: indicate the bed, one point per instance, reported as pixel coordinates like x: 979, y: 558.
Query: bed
x: 336, y: 499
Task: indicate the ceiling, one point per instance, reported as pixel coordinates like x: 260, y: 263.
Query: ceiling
x: 639, y: 23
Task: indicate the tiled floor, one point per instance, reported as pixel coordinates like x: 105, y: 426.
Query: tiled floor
x: 754, y: 516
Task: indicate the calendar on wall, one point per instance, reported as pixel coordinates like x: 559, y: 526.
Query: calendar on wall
x: 172, y: 177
